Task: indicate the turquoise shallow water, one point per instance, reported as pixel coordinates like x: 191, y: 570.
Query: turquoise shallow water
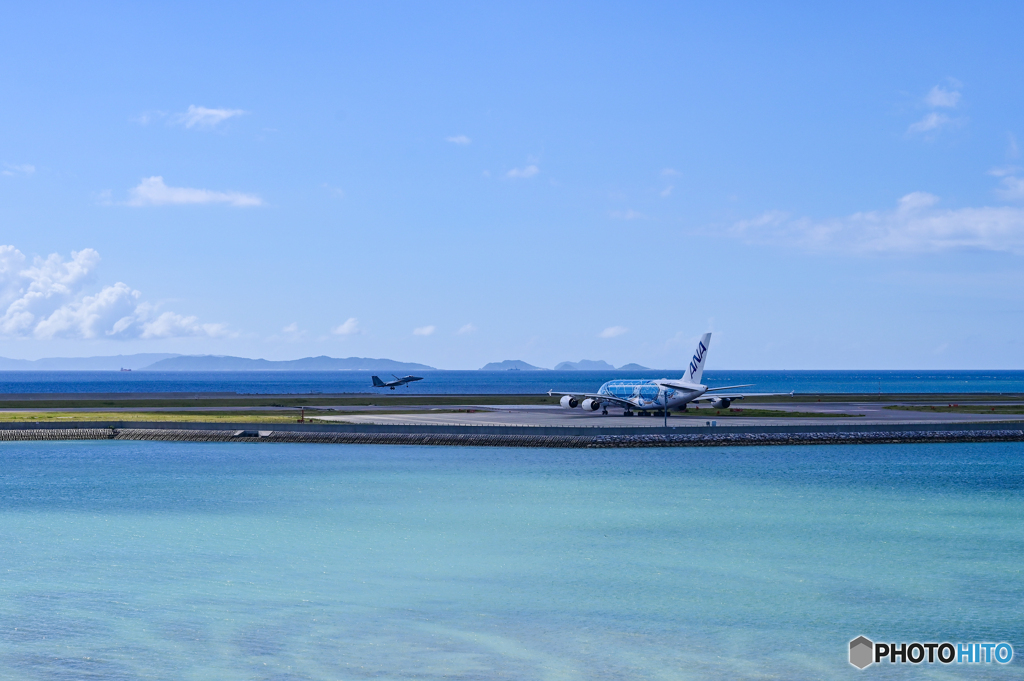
x: 131, y: 560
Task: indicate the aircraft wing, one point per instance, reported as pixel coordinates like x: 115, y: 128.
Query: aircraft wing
x: 676, y: 386
x: 736, y: 396
x: 594, y: 396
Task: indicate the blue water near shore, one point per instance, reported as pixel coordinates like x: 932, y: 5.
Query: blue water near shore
x: 130, y: 560
x: 499, y: 382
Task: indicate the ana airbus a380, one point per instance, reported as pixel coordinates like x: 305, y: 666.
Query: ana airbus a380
x: 657, y: 394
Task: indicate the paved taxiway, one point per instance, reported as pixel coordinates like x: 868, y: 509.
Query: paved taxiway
x: 513, y: 415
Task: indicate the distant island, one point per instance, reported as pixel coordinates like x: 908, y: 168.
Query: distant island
x: 585, y: 365
x: 633, y: 367
x: 511, y: 365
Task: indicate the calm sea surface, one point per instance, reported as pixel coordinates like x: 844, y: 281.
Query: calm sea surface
x: 499, y: 382
x: 131, y: 560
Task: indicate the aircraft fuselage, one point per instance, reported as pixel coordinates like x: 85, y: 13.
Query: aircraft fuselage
x: 651, y: 394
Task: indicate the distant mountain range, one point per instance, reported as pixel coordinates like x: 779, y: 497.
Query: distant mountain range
x: 171, y: 362
x: 163, y: 361
x: 108, y: 363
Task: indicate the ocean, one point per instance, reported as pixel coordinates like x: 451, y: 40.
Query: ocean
x: 131, y: 560
x: 499, y: 382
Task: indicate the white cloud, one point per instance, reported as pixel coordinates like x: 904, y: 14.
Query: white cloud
x: 1011, y: 148
x: 940, y: 97
x: 522, y: 173
x: 468, y: 328
x: 171, y: 325
x: 11, y: 262
x: 626, y: 215
x: 108, y: 312
x: 669, y: 172
x: 153, y: 192
x: 50, y: 299
x: 458, y: 139
x: 424, y: 330
x: 932, y: 121
x: 335, y: 191
x: 10, y: 170
x: 768, y: 218
x: 666, y: 192
x: 202, y: 117
x: 937, y: 98
x: 916, y: 225
x: 39, y: 291
x: 1004, y: 171
x: 1011, y: 189
x: 348, y: 328
x: 147, y: 117
x: 292, y: 333
x: 613, y: 331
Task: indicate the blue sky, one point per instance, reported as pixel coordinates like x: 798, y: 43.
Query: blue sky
x: 454, y: 184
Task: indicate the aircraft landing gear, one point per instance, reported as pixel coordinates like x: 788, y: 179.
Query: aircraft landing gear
x: 604, y: 411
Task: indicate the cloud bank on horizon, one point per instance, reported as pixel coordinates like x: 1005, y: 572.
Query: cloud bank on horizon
x: 50, y: 298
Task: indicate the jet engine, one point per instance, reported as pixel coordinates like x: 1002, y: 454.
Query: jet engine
x: 721, y: 402
x: 569, y: 402
x: 591, y: 404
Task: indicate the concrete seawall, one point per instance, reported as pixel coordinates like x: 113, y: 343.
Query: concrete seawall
x: 517, y: 436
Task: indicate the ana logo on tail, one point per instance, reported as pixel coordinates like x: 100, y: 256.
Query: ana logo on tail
x: 697, y: 358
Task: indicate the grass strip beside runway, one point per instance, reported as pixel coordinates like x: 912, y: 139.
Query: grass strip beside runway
x: 752, y: 413
x: 962, y: 408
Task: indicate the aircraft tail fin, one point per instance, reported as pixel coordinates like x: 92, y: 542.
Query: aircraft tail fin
x: 696, y: 368
x: 377, y: 383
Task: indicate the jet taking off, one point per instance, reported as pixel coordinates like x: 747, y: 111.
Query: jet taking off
x: 404, y: 380
x: 660, y: 393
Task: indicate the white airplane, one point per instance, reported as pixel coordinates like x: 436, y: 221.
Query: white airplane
x: 657, y: 394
